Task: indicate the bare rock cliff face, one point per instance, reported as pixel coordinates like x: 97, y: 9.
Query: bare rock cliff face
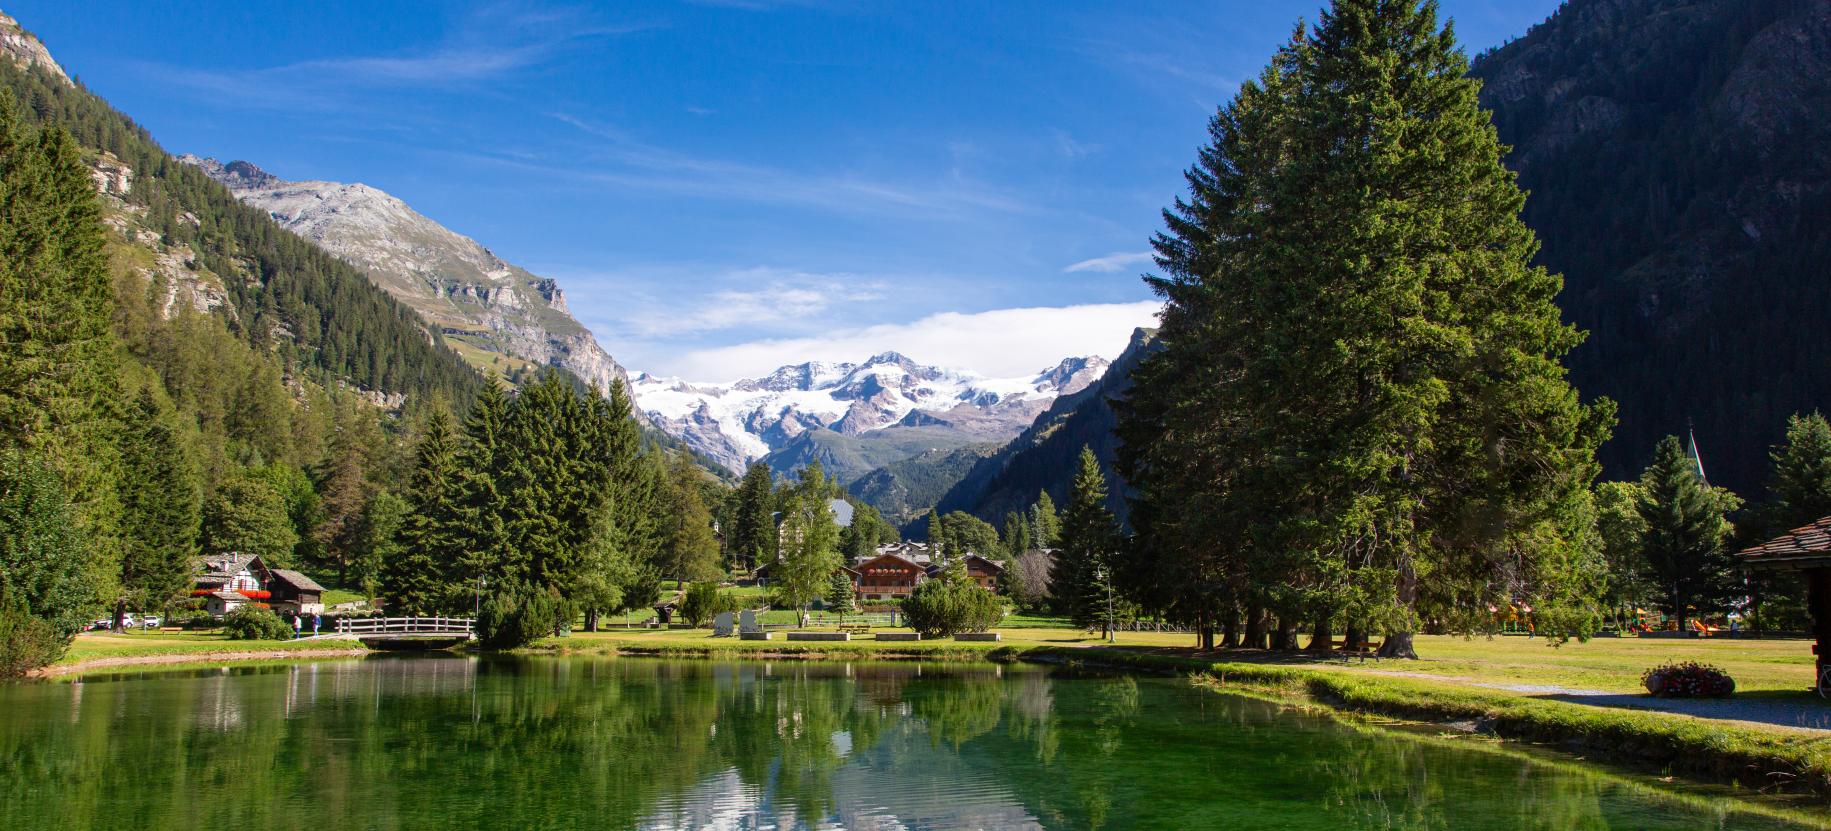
x: 24, y: 49
x: 500, y: 315
x: 1678, y: 159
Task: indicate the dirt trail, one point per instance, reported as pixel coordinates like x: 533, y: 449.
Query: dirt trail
x: 195, y: 658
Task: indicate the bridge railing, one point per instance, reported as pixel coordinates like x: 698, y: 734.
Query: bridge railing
x: 407, y: 626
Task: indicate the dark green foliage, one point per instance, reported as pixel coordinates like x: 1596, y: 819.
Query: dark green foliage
x: 810, y: 541
x: 950, y: 604
x: 689, y: 551
x: 1045, y: 526
x: 248, y: 515
x: 425, y: 573
x: 905, y: 489
x: 840, y: 598
x: 377, y: 540
x: 1016, y: 533
x: 161, y: 507
x: 1799, y: 493
x: 249, y: 622
x: 27, y: 641
x: 42, y: 556
x: 1358, y: 407
x: 1683, y: 543
x: 514, y: 618
x: 343, y: 487
x: 965, y: 534
x: 1090, y: 541
x: 867, y: 531
x: 703, y: 602
x: 59, y: 378
x: 753, y: 533
x: 1663, y: 144
x: 318, y: 311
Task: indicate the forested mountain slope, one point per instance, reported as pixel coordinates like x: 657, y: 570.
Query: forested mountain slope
x: 1044, y: 457
x: 496, y: 314
x: 278, y: 291
x: 1678, y: 156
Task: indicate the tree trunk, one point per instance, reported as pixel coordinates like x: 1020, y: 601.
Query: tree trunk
x: 120, y: 615
x: 1399, y: 644
x: 591, y: 621
x: 804, y: 615
x: 1355, y: 637
x: 1285, y: 638
x: 1230, y: 629
x: 1679, y: 610
x: 1255, y: 628
x: 1321, y: 639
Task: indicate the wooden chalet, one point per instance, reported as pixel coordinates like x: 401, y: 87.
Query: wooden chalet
x: 888, y: 577
x: 226, y: 581
x: 295, y: 592
x: 1806, y: 550
x: 983, y: 571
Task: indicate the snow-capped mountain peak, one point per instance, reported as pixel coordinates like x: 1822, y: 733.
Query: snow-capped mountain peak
x: 740, y: 422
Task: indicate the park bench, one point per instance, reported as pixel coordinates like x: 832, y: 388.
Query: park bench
x: 1363, y: 651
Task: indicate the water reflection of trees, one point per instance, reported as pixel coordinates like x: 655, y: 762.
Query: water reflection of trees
x: 420, y: 743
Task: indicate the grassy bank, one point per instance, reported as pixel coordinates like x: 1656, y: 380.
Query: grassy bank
x: 104, y: 649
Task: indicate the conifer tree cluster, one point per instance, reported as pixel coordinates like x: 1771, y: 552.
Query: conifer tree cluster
x: 1359, y: 414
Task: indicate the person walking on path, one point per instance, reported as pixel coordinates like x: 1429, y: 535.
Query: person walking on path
x: 296, y: 625
x: 317, y: 621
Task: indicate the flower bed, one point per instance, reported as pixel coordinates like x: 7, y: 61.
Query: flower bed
x: 1688, y: 679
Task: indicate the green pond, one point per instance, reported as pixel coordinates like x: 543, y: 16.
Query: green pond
x: 609, y: 743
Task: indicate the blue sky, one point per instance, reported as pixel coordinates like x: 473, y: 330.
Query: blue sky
x: 728, y: 185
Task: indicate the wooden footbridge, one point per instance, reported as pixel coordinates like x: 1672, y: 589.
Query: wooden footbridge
x: 370, y: 629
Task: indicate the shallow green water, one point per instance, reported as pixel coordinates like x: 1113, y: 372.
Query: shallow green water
x: 411, y: 743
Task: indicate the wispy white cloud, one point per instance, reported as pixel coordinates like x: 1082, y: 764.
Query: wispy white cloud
x: 1117, y: 261
x: 998, y: 343
x: 778, y: 298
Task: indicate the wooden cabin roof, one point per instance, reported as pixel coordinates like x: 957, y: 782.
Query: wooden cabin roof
x: 1808, y: 546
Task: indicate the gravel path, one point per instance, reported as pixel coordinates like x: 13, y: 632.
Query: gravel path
x: 1758, y: 712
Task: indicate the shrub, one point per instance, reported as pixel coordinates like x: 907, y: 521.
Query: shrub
x: 515, y: 619
x: 26, y: 642
x: 943, y: 607
x: 704, y: 602
x: 249, y: 622
x: 1688, y: 679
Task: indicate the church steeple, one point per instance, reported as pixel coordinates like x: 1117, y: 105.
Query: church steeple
x: 1697, y: 460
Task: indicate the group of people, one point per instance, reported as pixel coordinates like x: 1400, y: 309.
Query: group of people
x: 298, y: 624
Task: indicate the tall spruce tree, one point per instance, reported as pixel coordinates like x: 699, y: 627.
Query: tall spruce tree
x: 1083, y: 570
x: 59, y: 379
x: 344, y: 486
x: 1359, y: 396
x: 484, y: 549
x: 1045, y: 526
x: 690, y: 553
x: 1685, y: 533
x: 247, y: 515
x: 753, y: 532
x: 161, y: 509
x: 42, y: 556
x: 1016, y: 534
x: 430, y: 571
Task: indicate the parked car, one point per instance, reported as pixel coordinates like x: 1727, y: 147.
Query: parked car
x: 151, y: 622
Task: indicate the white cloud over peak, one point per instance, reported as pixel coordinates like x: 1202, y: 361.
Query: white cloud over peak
x: 1116, y: 261
x: 997, y: 343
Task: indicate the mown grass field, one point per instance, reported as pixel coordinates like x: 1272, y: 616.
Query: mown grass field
x: 98, y: 645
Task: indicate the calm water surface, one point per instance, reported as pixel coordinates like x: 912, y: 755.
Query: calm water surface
x: 422, y: 743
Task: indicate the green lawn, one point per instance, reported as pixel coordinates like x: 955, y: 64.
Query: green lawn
x: 94, y: 645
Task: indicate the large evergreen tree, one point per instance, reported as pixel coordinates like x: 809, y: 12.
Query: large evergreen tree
x: 1359, y: 402
x: 1083, y: 569
x: 42, y: 556
x: 1045, y: 526
x: 247, y: 515
x: 427, y: 572
x: 690, y: 552
x: 753, y: 532
x: 161, y: 509
x: 1683, y: 543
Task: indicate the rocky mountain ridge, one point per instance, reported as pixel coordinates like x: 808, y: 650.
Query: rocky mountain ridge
x: 756, y: 418
x: 26, y: 50
x: 499, y: 316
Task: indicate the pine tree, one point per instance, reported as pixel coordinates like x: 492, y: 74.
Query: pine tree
x: 810, y: 541
x: 1685, y: 532
x: 161, y: 509
x: 59, y: 379
x: 840, y: 598
x: 1357, y: 354
x: 483, y: 549
x: 345, y: 489
x: 1799, y: 488
x: 427, y: 571
x: 1089, y: 537
x: 690, y: 552
x: 940, y: 545
x: 377, y: 540
x: 1045, y: 526
x: 1016, y: 534
x: 753, y: 532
